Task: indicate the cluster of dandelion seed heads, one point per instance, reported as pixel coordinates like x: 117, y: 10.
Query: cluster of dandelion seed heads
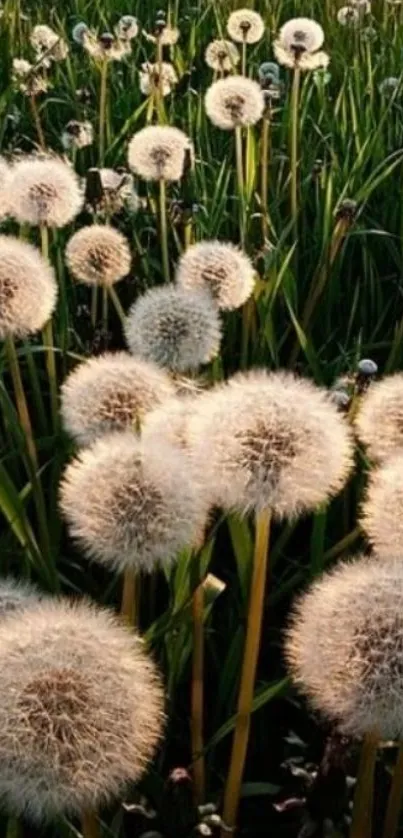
x: 222, y: 56
x: 111, y: 392
x: 81, y: 710
x: 44, y: 191
x: 220, y: 268
x: 379, y: 420
x: 175, y: 328
x: 273, y: 441
x: 130, y: 505
x: 245, y: 26
x: 159, y: 153
x: 98, y: 255
x: 28, y: 289
x: 345, y: 647
x: 382, y: 509
x: 15, y: 596
x: 233, y: 102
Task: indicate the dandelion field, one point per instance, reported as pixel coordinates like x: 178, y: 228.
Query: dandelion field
x: 201, y: 412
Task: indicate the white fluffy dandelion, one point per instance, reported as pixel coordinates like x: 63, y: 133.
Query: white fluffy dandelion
x: 245, y: 26
x: 44, y: 191
x: 28, y: 289
x: 234, y: 101
x: 222, y: 56
x: 159, y: 153
x: 220, y: 268
x: 98, y: 255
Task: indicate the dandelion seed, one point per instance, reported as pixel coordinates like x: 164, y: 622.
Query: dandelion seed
x: 77, y: 134
x: 44, y: 191
x: 348, y: 16
x: 220, y: 268
x: 28, y: 289
x: 234, y: 101
x: 132, y: 506
x: 382, y: 510
x: 245, y: 26
x: 159, y: 153
x: 222, y: 56
x: 111, y: 392
x: 127, y: 28
x: 175, y: 328
x: 271, y: 441
x: 45, y: 41
x: 155, y: 77
x: 345, y: 647
x: 81, y: 710
x: 98, y: 255
x: 379, y: 420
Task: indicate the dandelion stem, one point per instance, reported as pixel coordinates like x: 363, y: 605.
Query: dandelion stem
x: 248, y: 674
x: 361, y: 826
x: 394, y: 806
x: 90, y: 825
x: 37, y: 121
x: 244, y: 57
x: 105, y: 310
x: 117, y: 304
x: 94, y: 305
x: 102, y: 111
x: 197, y: 695
x: 241, y: 181
x: 294, y: 145
x: 128, y: 605
x: 48, y: 341
x: 264, y: 187
x: 164, y: 229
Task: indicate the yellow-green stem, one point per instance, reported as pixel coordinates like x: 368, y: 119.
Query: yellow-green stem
x: 90, y: 825
x: 164, y: 229
x: 102, y: 111
x: 197, y: 700
x: 264, y: 182
x: 117, y: 304
x: 248, y: 673
x: 128, y: 604
x: 48, y: 341
x: 244, y: 57
x: 37, y: 121
x: 361, y: 826
x: 391, y: 825
x: 294, y: 145
x: 240, y: 181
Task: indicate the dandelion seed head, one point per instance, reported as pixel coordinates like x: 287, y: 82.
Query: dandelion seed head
x: 168, y: 422
x: 111, y: 392
x: 15, y: 596
x: 77, y: 134
x: 245, y: 26
x: 44, y: 191
x: 305, y: 61
x: 81, y: 710
x: 220, y: 268
x: 4, y: 190
x: 118, y: 192
x: 127, y: 28
x: 301, y: 34
x: 131, y: 505
x: 234, y: 101
x: 159, y: 153
x: 26, y: 79
x: 46, y: 40
x: 348, y: 16
x: 222, y: 56
x: 79, y: 30
x: 105, y: 47
x: 388, y: 86
x: 382, y: 509
x: 271, y: 441
x: 379, y: 420
x: 345, y: 646
x: 98, y: 255
x: 150, y: 78
x: 28, y: 289
x: 175, y: 328
x: 167, y: 36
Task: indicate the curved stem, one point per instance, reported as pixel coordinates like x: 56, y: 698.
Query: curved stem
x: 164, y: 230
x: 361, y: 826
x: 394, y: 806
x: 128, y: 605
x: 197, y: 695
x: 248, y: 674
x: 90, y: 825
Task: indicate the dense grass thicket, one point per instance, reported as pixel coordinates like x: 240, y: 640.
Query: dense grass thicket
x: 313, y: 194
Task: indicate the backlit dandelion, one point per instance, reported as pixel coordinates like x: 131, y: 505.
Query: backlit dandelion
x: 44, y: 191
x: 382, y: 510
x: 222, y: 56
x: 81, y: 710
x: 175, y: 328
x: 167, y: 36
x: 127, y: 28
x: 348, y: 16
x: 105, y: 47
x: 379, y: 419
x: 274, y: 441
x: 48, y: 43
x: 245, y: 26
x: 159, y: 153
x: 130, y: 505
x: 98, y: 255
x: 298, y: 45
x: 155, y: 77
x: 111, y: 392
x: 220, y: 268
x: 28, y: 289
x: 233, y: 102
x: 345, y: 647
